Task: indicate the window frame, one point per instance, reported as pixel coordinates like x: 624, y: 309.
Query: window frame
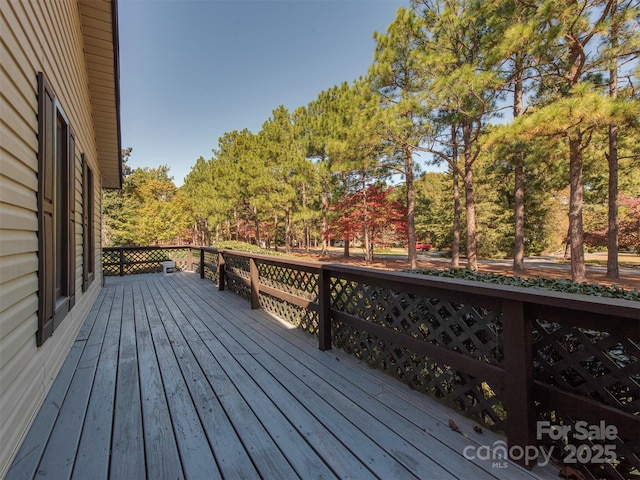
x: 88, y: 225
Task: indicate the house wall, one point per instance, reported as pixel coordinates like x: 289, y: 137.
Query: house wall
x: 36, y: 36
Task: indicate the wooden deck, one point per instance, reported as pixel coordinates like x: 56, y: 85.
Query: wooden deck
x: 170, y: 378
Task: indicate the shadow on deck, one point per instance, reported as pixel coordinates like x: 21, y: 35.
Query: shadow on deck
x: 170, y: 378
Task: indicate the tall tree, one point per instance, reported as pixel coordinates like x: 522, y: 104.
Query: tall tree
x: 460, y: 83
x: 512, y: 48
x: 285, y: 157
x: 117, y: 213
x: 613, y: 270
x: 396, y: 75
x: 198, y: 192
x: 322, y: 120
x: 622, y: 49
x: 146, y: 211
x: 575, y: 32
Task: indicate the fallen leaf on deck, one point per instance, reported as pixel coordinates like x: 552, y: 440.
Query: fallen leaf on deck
x: 477, y: 429
x: 454, y: 427
x: 571, y: 474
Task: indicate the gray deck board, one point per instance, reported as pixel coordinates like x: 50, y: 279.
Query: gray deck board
x: 161, y: 450
x: 230, y: 453
x: 127, y: 449
x: 197, y: 458
x: 338, y: 417
x: 272, y: 443
x: 92, y: 457
x: 170, y: 378
x: 281, y: 427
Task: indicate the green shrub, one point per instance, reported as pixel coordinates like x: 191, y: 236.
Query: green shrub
x: 243, y: 247
x: 557, y: 285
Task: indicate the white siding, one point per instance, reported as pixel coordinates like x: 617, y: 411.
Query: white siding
x: 36, y: 35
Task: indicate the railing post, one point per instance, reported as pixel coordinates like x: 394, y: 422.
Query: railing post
x: 324, y: 313
x: 255, y: 284
x: 202, y: 262
x: 121, y: 261
x: 518, y: 374
x: 221, y: 278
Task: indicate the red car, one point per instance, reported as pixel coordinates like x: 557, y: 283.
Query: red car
x: 423, y: 246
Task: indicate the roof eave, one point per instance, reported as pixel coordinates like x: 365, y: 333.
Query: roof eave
x: 99, y: 19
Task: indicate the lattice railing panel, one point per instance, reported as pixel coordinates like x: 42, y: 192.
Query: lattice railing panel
x: 145, y: 260
x: 589, y: 363
x: 237, y: 265
x: 473, y: 331
x: 472, y: 398
x: 238, y: 287
x: 291, y: 280
x: 598, y: 365
x: 182, y: 257
x: 211, y: 272
x: 110, y: 263
x: 300, y: 317
x: 179, y: 254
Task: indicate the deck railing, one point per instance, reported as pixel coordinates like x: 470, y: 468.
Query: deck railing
x: 529, y: 362
x: 119, y: 261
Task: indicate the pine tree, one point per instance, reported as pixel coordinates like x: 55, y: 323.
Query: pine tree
x: 459, y: 84
x: 395, y: 74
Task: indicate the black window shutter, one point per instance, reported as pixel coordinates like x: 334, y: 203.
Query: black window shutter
x: 71, y: 169
x: 86, y: 198
x: 45, y: 195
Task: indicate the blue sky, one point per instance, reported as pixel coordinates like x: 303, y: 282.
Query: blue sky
x: 192, y: 70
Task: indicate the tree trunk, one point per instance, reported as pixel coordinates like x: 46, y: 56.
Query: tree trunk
x: 325, y: 207
x: 567, y: 244
x: 470, y: 208
x: 287, y: 231
x: 202, y: 232
x: 518, y: 250
x: 411, y: 205
x: 256, y: 223
x: 518, y: 244
x: 576, y: 237
x: 305, y: 221
x: 613, y: 270
x: 365, y: 227
x: 455, y: 247
x: 275, y: 231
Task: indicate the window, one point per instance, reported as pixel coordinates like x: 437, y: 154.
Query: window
x: 88, y: 239
x: 56, y: 213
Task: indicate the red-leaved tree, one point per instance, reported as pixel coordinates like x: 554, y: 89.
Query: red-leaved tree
x: 369, y: 213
